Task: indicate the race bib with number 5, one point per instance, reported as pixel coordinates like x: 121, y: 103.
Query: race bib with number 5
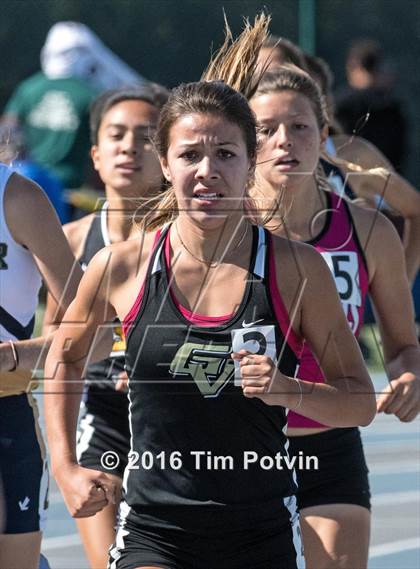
x: 344, y: 266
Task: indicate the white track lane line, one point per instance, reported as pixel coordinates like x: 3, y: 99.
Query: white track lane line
x: 50, y: 543
x: 394, y: 547
x: 390, y: 468
x: 394, y: 498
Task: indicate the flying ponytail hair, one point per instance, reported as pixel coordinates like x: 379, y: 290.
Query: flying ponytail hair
x: 235, y: 63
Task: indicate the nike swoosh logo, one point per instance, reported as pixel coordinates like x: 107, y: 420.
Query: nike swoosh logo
x: 249, y: 324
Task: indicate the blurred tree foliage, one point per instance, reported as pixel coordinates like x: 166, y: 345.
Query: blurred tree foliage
x: 170, y: 41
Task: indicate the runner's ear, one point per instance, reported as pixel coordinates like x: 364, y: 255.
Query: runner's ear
x: 165, y: 169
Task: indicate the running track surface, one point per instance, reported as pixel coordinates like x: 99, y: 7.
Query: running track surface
x: 393, y: 454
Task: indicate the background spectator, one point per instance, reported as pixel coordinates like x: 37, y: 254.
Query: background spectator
x: 367, y: 106
x: 49, y: 110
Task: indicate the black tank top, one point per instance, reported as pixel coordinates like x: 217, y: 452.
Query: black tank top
x: 185, y: 408
x: 102, y: 375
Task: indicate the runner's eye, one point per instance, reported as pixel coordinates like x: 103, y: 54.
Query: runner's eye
x: 190, y: 156
x: 266, y: 131
x: 225, y: 154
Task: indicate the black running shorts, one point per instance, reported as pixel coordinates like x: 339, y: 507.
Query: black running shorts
x: 342, y: 477
x: 186, y: 540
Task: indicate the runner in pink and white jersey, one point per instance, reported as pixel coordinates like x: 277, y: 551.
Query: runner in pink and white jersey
x: 364, y: 254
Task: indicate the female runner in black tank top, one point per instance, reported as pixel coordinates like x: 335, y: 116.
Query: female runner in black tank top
x: 122, y: 122
x: 192, y: 498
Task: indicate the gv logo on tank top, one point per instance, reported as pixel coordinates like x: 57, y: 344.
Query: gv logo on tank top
x: 209, y: 366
